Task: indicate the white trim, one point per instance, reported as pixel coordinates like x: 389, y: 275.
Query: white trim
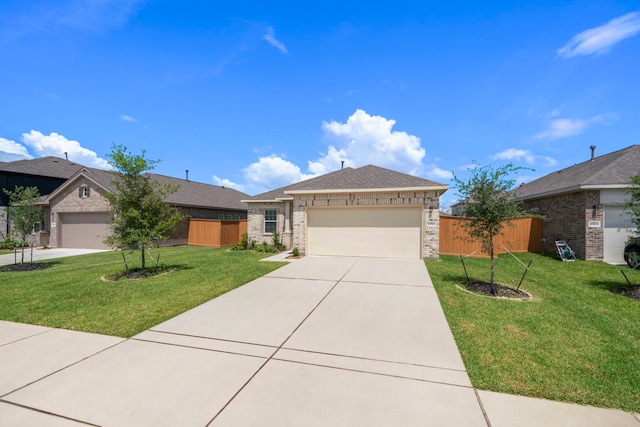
x: 262, y: 201
x: 572, y: 189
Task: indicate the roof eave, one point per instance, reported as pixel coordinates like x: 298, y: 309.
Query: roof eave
x: 572, y: 190
x: 442, y: 188
x: 277, y: 200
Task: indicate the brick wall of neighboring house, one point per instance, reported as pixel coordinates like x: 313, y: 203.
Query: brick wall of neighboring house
x: 567, y: 218
x: 428, y: 200
x: 69, y: 200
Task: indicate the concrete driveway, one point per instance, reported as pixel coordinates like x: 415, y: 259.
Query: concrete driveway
x: 44, y: 254
x: 320, y: 342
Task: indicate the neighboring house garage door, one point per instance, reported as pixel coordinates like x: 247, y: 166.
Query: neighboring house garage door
x: 83, y: 230
x: 366, y: 231
x: 617, y: 229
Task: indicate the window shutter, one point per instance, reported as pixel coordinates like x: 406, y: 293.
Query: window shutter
x: 80, y: 192
x: 88, y: 191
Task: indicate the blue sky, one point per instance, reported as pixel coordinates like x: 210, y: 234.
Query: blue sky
x: 256, y: 95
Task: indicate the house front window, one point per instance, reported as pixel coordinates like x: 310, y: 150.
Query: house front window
x: 270, y: 218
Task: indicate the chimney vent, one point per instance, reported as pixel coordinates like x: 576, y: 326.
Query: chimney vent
x: 187, y: 171
x: 593, y: 149
x: 66, y: 156
x: 342, y: 163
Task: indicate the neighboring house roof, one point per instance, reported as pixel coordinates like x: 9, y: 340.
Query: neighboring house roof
x: 189, y: 193
x: 613, y: 170
x: 52, y: 167
x: 367, y: 178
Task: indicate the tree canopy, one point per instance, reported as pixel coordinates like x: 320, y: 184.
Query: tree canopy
x: 139, y: 213
x: 24, y: 212
x: 486, y: 199
x: 632, y: 206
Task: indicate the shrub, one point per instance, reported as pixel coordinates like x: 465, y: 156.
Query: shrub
x: 295, y: 252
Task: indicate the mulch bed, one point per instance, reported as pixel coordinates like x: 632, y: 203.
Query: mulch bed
x: 504, y: 291
x: 24, y: 267
x: 137, y: 273
x: 629, y: 291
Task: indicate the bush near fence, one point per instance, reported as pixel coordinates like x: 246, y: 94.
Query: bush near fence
x: 524, y: 236
x: 215, y: 233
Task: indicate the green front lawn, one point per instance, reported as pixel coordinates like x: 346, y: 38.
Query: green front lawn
x: 576, y: 341
x: 71, y: 294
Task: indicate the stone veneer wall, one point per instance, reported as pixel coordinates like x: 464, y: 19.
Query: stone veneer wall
x: 567, y: 218
x: 255, y: 223
x: 429, y: 201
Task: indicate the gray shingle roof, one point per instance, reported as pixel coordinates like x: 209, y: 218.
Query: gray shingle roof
x: 189, y: 193
x: 53, y: 167
x: 610, y: 170
x: 365, y: 178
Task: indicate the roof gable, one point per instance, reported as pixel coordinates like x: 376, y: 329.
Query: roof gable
x: 613, y: 170
x: 52, y: 167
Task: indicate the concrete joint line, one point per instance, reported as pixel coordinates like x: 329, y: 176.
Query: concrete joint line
x: 277, y: 349
x: 486, y: 417
x: 49, y: 413
x: 26, y: 338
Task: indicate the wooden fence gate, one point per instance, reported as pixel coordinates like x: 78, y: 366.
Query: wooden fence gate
x: 216, y: 233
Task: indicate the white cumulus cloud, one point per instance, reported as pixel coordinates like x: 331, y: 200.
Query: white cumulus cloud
x: 437, y: 174
x: 272, y: 172
x: 601, y: 39
x: 367, y: 139
x: 515, y: 154
x: 270, y: 37
x: 11, y: 151
x: 223, y: 182
x: 126, y: 118
x: 561, y: 128
x: 57, y: 145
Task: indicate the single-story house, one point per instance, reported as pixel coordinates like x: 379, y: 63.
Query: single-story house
x: 77, y: 215
x: 368, y: 211
x: 584, y: 205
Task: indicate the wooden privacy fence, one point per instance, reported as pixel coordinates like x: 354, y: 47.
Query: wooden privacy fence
x: 215, y: 232
x: 524, y: 236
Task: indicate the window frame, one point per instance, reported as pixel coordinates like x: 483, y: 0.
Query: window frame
x: 271, y: 222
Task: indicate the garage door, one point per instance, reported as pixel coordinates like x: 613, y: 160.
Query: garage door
x: 617, y: 229
x: 83, y: 230
x: 376, y: 232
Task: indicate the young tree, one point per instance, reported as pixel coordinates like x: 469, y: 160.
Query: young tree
x: 138, y: 210
x: 632, y: 206
x: 485, y: 198
x: 24, y: 213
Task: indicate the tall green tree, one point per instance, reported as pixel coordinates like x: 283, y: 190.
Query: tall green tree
x: 139, y: 213
x: 486, y: 199
x: 24, y: 212
x: 632, y: 206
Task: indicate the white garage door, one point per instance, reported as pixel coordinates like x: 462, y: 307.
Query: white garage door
x: 617, y: 229
x: 83, y: 230
x: 377, y: 232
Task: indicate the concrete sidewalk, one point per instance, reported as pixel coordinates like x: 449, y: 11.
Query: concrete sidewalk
x: 321, y: 341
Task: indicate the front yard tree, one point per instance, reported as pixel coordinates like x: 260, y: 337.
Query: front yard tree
x: 24, y: 212
x: 486, y: 200
x: 632, y: 206
x: 138, y: 210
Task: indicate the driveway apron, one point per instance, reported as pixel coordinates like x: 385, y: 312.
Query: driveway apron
x: 321, y: 341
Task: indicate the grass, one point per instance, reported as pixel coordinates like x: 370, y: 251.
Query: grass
x: 71, y: 294
x: 575, y: 342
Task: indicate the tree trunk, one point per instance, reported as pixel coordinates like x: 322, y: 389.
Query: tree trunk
x: 142, y: 260
x: 22, y: 255
x: 494, y: 291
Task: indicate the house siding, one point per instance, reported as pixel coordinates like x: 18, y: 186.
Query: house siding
x: 567, y: 218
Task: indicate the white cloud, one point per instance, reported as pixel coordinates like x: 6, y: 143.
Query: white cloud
x: 11, y: 151
x: 561, y: 128
x: 270, y: 37
x: 600, y: 39
x: 272, y: 172
x: 223, y: 182
x: 437, y: 174
x: 126, y: 118
x: 514, y: 154
x: 55, y: 144
x: 330, y: 162
x: 369, y: 139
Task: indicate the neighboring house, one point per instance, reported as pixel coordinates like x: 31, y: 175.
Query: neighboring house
x: 368, y: 211
x: 584, y: 205
x: 77, y: 215
x: 45, y: 173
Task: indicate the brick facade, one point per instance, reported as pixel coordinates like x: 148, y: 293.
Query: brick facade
x: 291, y: 215
x: 567, y: 218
